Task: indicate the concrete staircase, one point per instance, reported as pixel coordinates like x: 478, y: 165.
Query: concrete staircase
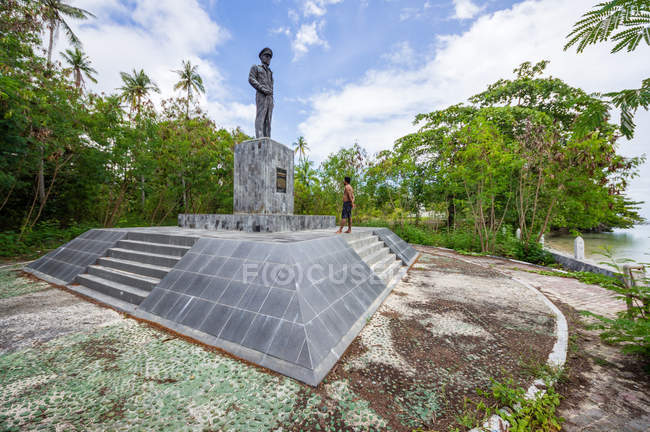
x: 376, y: 254
x: 131, y: 269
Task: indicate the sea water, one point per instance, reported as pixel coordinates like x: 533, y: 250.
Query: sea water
x: 632, y: 243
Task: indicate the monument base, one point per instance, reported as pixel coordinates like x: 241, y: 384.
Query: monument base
x: 250, y: 222
x: 291, y: 302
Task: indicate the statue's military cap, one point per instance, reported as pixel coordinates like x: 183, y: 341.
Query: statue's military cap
x: 266, y: 51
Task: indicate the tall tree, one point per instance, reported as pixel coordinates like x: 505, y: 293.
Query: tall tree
x: 627, y: 23
x: 136, y: 88
x: 54, y: 13
x: 301, y: 147
x: 189, y: 81
x: 79, y: 65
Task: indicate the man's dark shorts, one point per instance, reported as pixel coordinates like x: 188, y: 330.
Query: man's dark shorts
x: 347, y: 210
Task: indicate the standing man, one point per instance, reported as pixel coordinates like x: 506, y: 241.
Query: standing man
x: 348, y: 205
x: 261, y: 78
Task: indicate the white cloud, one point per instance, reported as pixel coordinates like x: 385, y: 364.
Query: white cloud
x: 306, y: 37
x: 308, y: 34
x: 311, y: 8
x: 401, y: 54
x: 317, y: 8
x: 154, y: 35
x: 466, y: 9
x: 380, y: 107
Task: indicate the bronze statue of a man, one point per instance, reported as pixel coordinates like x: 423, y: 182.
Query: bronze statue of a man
x: 261, y: 78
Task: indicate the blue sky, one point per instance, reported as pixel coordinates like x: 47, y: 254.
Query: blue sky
x: 351, y: 70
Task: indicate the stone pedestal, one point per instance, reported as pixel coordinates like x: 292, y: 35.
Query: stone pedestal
x: 263, y: 178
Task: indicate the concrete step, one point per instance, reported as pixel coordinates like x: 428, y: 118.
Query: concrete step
x: 389, y: 273
x: 131, y: 279
x: 134, y: 267
x: 381, y: 254
x: 117, y: 290
x: 361, y: 239
x: 143, y: 257
x: 369, y: 249
x: 162, y: 238
x: 113, y: 302
x: 382, y: 264
x: 156, y: 248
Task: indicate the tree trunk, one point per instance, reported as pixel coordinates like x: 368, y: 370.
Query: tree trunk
x: 51, y: 45
x: 451, y: 210
x: 184, y: 194
x: 142, y: 191
x: 41, y: 177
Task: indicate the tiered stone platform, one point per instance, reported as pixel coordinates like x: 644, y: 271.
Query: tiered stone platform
x: 288, y: 301
x: 251, y: 222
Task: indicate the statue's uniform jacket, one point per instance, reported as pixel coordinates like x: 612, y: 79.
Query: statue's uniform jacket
x: 261, y: 78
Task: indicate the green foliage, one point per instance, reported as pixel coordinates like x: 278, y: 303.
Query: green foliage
x: 625, y: 22
x: 44, y: 237
x: 533, y: 253
x: 630, y: 328
x: 536, y: 414
x: 509, y: 401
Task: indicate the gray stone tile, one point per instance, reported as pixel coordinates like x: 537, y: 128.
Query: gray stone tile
x: 237, y: 325
x: 213, y: 265
x: 198, y: 285
x: 170, y: 278
x: 292, y: 313
x: 186, y: 262
x: 150, y: 301
x: 213, y: 247
x: 230, y: 268
x: 184, y: 282
x: 214, y: 289
x: 199, y: 263
x: 253, y: 298
x: 304, y: 359
x: 334, y: 323
x: 179, y: 307
x: 216, y: 319
x: 197, y: 313
x: 261, y: 333
x: 344, y: 313
x: 276, y: 302
x: 242, y: 250
x: 260, y: 252
x: 365, y: 298
x: 288, y: 341
x: 315, y: 299
x: 353, y: 304
x: 168, y: 300
x: 233, y: 293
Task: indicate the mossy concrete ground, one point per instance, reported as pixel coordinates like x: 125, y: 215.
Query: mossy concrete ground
x: 68, y: 364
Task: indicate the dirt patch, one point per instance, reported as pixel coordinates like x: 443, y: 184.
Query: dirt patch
x: 425, y: 352
x: 604, y: 390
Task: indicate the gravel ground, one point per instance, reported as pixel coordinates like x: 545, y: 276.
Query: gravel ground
x: 606, y: 390
x: 449, y: 327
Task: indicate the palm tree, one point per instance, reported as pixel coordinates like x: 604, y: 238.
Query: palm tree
x: 136, y: 87
x: 305, y: 174
x: 53, y: 13
x: 189, y: 80
x: 80, y: 66
x: 301, y: 147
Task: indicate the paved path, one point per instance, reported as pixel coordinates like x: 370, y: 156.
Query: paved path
x: 571, y: 291
x: 608, y: 391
